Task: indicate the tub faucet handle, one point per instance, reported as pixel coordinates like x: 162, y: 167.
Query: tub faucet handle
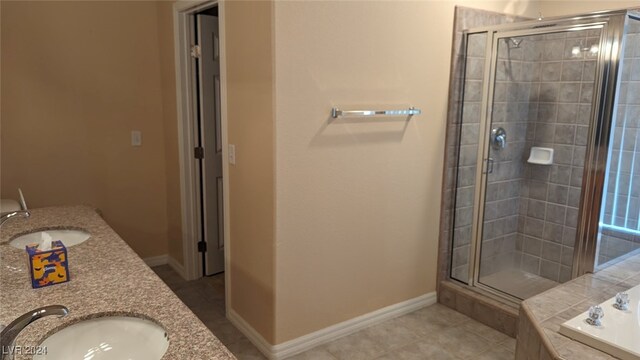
x: 595, y: 315
x: 498, y: 138
x: 622, y: 301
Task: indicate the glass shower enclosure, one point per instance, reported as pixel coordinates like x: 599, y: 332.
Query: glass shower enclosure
x: 549, y: 131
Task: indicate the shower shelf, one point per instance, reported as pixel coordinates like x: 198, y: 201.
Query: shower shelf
x: 541, y: 156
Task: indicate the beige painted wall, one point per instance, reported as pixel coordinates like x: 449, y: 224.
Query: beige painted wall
x: 77, y: 77
x: 170, y: 123
x: 358, y: 201
x: 250, y: 113
x: 565, y: 7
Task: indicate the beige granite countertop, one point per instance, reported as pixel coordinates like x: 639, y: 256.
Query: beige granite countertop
x: 555, y: 306
x: 107, y: 277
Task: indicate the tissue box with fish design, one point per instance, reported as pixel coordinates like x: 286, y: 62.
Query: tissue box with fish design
x: 48, y: 267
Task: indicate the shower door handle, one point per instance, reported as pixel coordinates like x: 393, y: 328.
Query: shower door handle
x: 489, y: 167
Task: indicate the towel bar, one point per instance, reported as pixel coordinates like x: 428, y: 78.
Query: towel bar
x: 335, y: 112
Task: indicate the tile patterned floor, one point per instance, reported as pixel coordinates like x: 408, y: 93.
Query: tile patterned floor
x: 435, y: 332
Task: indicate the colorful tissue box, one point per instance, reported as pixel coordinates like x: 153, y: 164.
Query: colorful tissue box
x: 48, y: 267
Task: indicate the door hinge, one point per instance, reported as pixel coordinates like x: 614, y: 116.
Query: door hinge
x: 202, y: 246
x: 198, y: 152
x: 195, y: 51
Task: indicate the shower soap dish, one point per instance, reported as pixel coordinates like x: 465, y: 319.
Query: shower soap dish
x: 541, y: 156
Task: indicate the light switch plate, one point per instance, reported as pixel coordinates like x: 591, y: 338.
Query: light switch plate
x: 232, y: 154
x: 136, y: 138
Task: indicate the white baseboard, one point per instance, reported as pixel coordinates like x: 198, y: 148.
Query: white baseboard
x: 156, y: 260
x: 251, y: 334
x: 306, y: 342
x: 165, y: 260
x: 175, y: 265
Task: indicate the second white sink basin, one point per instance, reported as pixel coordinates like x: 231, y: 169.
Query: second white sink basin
x: 106, y: 338
x: 68, y: 237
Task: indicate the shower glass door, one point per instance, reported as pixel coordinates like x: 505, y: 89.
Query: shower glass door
x: 619, y: 225
x: 534, y: 138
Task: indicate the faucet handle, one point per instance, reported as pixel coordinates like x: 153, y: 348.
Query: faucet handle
x: 23, y: 204
x: 622, y: 301
x: 498, y: 138
x: 595, y: 315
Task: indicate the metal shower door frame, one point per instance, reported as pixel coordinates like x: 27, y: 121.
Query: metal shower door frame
x: 606, y: 75
x: 600, y: 138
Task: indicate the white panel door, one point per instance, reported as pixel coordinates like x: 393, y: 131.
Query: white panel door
x: 211, y: 141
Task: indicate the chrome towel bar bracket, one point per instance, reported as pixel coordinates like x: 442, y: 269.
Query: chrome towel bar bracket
x: 336, y: 113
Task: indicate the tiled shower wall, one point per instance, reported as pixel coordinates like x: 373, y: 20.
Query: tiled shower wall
x: 624, y: 166
x: 559, y: 119
x: 512, y: 95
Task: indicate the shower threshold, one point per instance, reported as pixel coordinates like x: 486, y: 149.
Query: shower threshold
x: 518, y: 283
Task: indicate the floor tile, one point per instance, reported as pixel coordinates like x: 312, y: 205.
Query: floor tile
x: 318, y: 353
x: 462, y: 343
x: 245, y: 350
x: 435, y: 332
x: 224, y: 330
x: 421, y: 325
x: 510, y: 344
x: 440, y: 315
x: 392, y: 334
x: 484, y: 331
x: 498, y: 353
x: 358, y: 346
x: 420, y: 350
x: 192, y: 297
x: 208, y: 313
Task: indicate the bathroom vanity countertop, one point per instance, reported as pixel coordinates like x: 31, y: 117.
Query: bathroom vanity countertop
x: 548, y: 310
x: 107, y: 278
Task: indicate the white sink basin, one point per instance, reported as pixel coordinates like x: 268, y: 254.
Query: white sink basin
x: 68, y: 237
x: 104, y: 338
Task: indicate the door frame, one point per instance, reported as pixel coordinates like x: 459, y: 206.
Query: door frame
x: 185, y: 100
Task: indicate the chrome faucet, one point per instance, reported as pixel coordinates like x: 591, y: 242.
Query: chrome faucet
x: 21, y: 213
x: 24, y: 212
x: 10, y: 333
